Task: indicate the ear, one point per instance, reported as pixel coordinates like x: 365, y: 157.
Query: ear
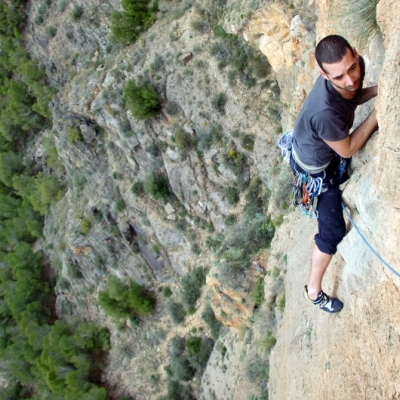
x: 356, y: 55
x: 323, y: 74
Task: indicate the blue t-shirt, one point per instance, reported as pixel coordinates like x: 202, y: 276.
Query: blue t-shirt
x: 326, y: 115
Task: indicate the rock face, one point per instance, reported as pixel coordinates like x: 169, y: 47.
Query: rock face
x: 364, y: 337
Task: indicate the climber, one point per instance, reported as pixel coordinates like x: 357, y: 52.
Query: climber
x: 321, y: 137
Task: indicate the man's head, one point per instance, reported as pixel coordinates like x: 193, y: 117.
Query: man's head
x: 338, y: 63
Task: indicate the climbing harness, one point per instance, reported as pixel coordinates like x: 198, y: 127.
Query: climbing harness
x: 366, y: 242
x: 306, y: 188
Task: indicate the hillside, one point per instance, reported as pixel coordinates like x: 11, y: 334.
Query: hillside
x: 170, y: 226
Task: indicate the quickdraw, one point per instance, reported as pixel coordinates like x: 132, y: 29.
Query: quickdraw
x: 306, y: 189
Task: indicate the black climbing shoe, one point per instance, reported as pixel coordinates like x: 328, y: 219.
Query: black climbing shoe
x: 325, y: 302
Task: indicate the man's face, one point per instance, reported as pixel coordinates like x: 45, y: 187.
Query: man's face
x: 344, y: 75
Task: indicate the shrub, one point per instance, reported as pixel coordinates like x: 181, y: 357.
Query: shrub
x: 167, y: 292
x: 74, y: 135
x: 247, y: 142
x: 156, y: 186
x: 230, y: 220
x: 51, y: 31
x: 120, y: 300
x: 267, y: 342
x: 359, y: 19
x: 258, y: 292
x: 232, y: 195
x: 218, y: 103
x: 176, y: 312
x: 213, y: 324
x: 141, y: 100
x: 76, y: 12
x: 191, y: 286
x: 137, y: 188
x: 85, y: 226
x: 126, y: 26
x: 120, y: 205
x: 282, y: 303
x: 183, y: 139
x: 198, y: 352
x: 177, y: 391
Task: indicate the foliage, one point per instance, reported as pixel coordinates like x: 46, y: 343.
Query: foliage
x: 76, y: 12
x: 267, y: 342
x: 358, y: 18
x: 39, y: 357
x: 121, y: 300
x: 176, y: 312
x: 247, y: 142
x: 137, y: 188
x: 183, y: 139
x: 214, y: 136
x: 232, y: 195
x: 126, y: 26
x: 167, y: 292
x: 141, y: 100
x: 258, y: 292
x: 176, y: 391
x: 213, y: 324
x: 244, y: 63
x: 156, y: 186
x: 86, y: 225
x: 191, y: 285
x: 230, y: 220
x: 74, y: 135
x: 218, y: 103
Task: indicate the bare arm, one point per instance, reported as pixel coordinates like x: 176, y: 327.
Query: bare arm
x: 368, y: 94
x: 347, y: 147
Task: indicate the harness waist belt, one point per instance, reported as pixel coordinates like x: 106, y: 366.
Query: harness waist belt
x: 309, y: 168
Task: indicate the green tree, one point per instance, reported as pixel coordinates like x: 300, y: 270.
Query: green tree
x: 127, y: 25
x: 141, y: 100
x: 156, y: 186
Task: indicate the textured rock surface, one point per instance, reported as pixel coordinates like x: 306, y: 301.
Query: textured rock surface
x: 355, y: 353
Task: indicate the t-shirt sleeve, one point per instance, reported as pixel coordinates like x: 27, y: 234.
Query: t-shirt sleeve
x: 330, y: 126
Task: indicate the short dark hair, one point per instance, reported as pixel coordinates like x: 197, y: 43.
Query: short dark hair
x: 331, y: 49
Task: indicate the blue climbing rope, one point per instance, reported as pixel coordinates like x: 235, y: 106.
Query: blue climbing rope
x: 366, y: 242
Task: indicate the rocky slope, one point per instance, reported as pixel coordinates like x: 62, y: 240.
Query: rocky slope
x: 134, y: 236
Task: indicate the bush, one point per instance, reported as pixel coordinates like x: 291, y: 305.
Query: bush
x: 137, y: 188
x: 141, y: 100
x: 198, y: 352
x: 156, y: 186
x: 176, y: 312
x: 213, y: 324
x: 230, y: 220
x: 120, y: 205
x: 191, y: 286
x: 247, y: 142
x: 218, y: 103
x: 74, y: 135
x: 267, y: 342
x: 167, y: 292
x: 76, y: 12
x: 126, y: 26
x: 258, y: 292
x: 232, y: 195
x: 51, y: 31
x: 183, y: 139
x: 120, y: 300
x: 85, y: 226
